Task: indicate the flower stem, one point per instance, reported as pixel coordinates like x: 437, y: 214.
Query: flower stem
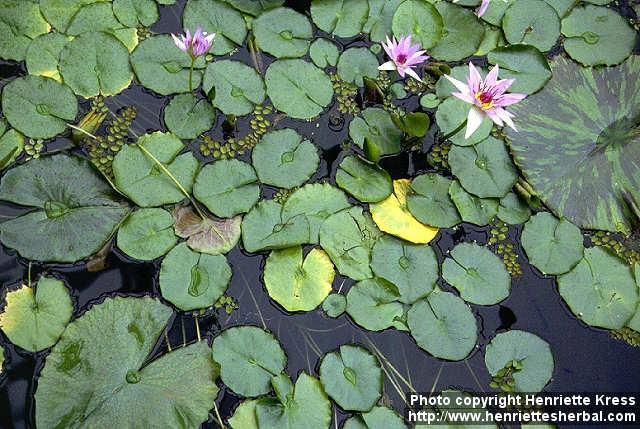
x: 87, y: 133
x: 193, y: 61
x: 173, y: 179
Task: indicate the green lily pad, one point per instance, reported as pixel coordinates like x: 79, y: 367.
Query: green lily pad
x: 380, y: 19
x: 244, y: 416
x: 451, y: 118
x: 81, y: 386
x: 132, y: 13
x: 227, y: 187
x: 373, y: 304
x: 430, y: 203
x: 553, y: 245
x: 11, y: 147
x: 532, y: 22
x: 461, y: 35
x: 419, y: 19
x: 96, y: 16
x: 34, y: 320
x: 600, y: 290
x: 366, y: 182
x: 513, y: 210
x: 298, y: 88
x: 334, y: 305
x: 352, y: 377
x: 216, y: 16
x: 75, y: 210
x: 95, y: 63
x: 532, y: 352
x: 233, y: 87
x: 484, y: 169
x: 191, y: 280
x: 253, y: 7
x: 248, y: 357
x: 305, y: 405
x: 20, y: 22
x: 472, y: 209
x: 348, y: 237
x: 38, y: 107
x: 323, y: 53
x: 283, y: 159
x: 344, y: 18
x: 357, y: 63
x: 316, y: 201
x: 297, y: 284
x: 283, y: 33
x: 162, y: 67
x: 377, y: 418
x: 413, y: 269
x: 577, y: 143
x: 264, y: 228
x: 597, y: 35
x: 188, y: 117
x: 43, y: 55
x: 495, y: 11
x: 493, y: 38
x: 478, y: 274
x: 140, y: 178
x: 375, y: 124
x: 212, y: 236
x: 443, y: 325
x: 525, y: 64
x: 147, y: 234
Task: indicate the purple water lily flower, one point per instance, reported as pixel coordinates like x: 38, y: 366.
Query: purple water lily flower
x: 195, y: 46
x: 487, y: 98
x: 403, y: 56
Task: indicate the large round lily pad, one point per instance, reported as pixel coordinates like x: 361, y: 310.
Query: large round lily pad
x: 38, y: 107
x: 75, y: 210
x: 428, y: 201
x: 295, y: 283
x: 344, y: 18
x: 264, y: 228
x: 35, y: 319
x: 373, y: 304
x: 443, y: 325
x: 147, y: 234
x: 216, y: 16
x: 578, y: 144
x: 283, y: 33
x: 357, y: 63
x: 600, y: 290
x: 478, y: 274
x: 43, y: 55
x: 248, y: 358
x: 527, y: 65
x: 419, y: 19
x: 233, y: 87
x: 188, y: 117
x: 532, y: 22
x: 472, y: 209
x: 532, y: 352
x: 461, y: 35
x: 352, y: 377
x: 380, y: 19
x: 366, y: 182
x: 81, y: 386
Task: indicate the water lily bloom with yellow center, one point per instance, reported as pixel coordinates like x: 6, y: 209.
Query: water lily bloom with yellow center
x: 195, y: 46
x: 487, y: 98
x: 403, y: 56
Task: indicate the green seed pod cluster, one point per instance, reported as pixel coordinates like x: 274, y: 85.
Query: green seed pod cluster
x: 281, y: 196
x: 92, y: 120
x: 346, y: 95
x: 438, y: 157
x: 143, y: 33
x: 415, y: 86
x: 103, y: 150
x: 615, y: 244
x: 227, y: 302
x: 628, y: 335
x: 504, y: 249
x: 98, y: 106
x: 384, y: 82
x: 503, y: 379
x: 33, y: 148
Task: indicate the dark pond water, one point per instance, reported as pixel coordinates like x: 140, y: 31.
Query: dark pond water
x: 586, y: 359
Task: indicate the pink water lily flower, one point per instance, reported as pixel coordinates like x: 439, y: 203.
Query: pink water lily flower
x: 482, y: 9
x: 195, y: 46
x: 403, y: 56
x: 487, y: 98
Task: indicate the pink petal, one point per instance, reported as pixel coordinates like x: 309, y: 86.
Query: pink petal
x: 474, y: 120
x: 509, y: 99
x: 483, y: 8
x: 492, y: 77
x: 474, y: 80
x: 506, y: 117
x: 491, y: 113
x: 413, y: 74
x: 501, y: 86
x: 466, y: 97
x: 179, y: 43
x: 459, y: 85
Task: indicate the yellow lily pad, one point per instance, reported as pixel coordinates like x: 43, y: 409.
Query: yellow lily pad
x: 393, y: 217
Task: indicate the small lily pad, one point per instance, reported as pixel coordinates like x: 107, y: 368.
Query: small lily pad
x: 188, y: 117
x: 147, y: 234
x: 373, y: 304
x: 34, y: 320
x: 366, y: 182
x: 283, y: 159
x: 323, y: 53
x: 248, y: 357
x: 334, y: 305
x: 532, y: 352
x: 451, y: 118
x: 227, y: 187
x: 413, y: 269
x: 233, y: 87
x: 478, y: 274
x: 348, y: 237
x: 472, y: 209
x: 283, y: 33
x: 393, y: 217
x: 600, y: 290
x: 419, y: 19
x: 352, y: 377
x: 525, y: 64
x: 297, y: 284
x: 375, y: 124
x: 532, y: 22
x: 212, y: 236
x: 264, y: 228
x: 357, y: 63
x: 553, y: 245
x: 216, y: 16
x: 191, y: 280
x: 513, y: 210
x: 344, y: 18
x: 429, y: 202
x: 443, y: 325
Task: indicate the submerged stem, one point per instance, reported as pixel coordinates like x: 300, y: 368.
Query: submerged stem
x: 87, y: 133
